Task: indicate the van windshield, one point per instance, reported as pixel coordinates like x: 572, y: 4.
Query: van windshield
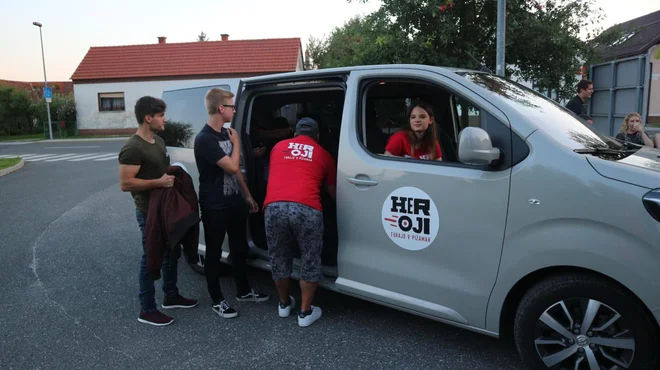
x: 557, y: 121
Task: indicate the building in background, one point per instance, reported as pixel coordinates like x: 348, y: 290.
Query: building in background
x: 629, y: 80
x: 110, y: 79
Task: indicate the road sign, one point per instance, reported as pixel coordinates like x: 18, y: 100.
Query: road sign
x: 48, y: 94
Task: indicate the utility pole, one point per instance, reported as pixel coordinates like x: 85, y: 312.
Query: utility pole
x: 43, y: 59
x: 501, y: 28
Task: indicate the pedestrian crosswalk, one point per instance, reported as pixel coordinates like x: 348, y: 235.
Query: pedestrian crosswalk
x: 70, y: 157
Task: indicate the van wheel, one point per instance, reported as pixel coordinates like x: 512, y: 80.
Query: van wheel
x: 579, y: 321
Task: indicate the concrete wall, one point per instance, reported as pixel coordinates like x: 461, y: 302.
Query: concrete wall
x: 91, y: 121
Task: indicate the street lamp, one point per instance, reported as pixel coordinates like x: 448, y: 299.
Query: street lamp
x: 43, y: 58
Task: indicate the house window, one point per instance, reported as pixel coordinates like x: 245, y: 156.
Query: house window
x: 111, y: 102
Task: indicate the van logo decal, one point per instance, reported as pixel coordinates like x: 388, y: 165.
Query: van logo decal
x: 410, y: 218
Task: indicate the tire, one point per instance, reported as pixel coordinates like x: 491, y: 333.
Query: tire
x: 550, y: 300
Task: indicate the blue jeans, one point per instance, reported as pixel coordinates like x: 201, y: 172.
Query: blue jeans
x: 169, y: 273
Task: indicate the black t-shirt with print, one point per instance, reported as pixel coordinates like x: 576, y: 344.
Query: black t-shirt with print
x: 217, y: 189
x: 635, y: 138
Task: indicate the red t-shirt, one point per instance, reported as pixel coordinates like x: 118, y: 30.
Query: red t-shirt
x: 298, y: 168
x: 399, y: 145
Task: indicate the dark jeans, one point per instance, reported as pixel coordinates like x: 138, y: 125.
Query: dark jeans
x: 231, y: 221
x: 169, y: 273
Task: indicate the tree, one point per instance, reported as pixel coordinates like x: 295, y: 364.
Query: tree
x: 202, y: 37
x: 543, y: 41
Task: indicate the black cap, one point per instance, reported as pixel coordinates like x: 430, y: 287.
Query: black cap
x: 307, y: 126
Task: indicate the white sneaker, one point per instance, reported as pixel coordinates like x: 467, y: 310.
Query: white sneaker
x: 285, y: 311
x: 307, y: 320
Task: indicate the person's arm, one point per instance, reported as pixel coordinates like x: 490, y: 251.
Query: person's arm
x: 240, y: 178
x: 128, y: 181
x: 647, y: 139
x: 438, y: 151
x: 209, y: 149
x: 129, y: 166
x: 331, y: 178
x: 394, y: 146
x: 574, y: 106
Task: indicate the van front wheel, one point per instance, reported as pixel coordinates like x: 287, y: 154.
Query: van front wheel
x: 579, y: 321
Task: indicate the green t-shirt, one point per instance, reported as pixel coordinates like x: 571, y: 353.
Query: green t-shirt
x: 152, y: 159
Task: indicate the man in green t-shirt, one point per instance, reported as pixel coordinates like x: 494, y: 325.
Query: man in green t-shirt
x: 143, y: 161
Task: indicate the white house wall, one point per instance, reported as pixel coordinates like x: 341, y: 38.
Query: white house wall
x: 87, y: 104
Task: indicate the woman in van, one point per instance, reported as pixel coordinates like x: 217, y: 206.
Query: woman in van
x: 631, y: 131
x: 418, y: 140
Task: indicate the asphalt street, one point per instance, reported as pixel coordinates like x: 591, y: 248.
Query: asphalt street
x: 68, y: 294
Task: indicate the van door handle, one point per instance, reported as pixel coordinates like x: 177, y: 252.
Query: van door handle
x: 362, y: 182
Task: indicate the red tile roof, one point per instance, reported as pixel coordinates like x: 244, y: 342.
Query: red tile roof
x: 59, y: 87
x: 189, y: 58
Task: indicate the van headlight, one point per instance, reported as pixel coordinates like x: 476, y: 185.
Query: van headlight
x: 651, y: 202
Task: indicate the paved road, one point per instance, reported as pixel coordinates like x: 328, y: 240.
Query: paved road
x: 70, y: 253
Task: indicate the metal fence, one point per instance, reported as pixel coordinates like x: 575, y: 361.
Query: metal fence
x: 17, y: 127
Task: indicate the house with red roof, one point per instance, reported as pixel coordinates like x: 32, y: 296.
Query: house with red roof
x: 110, y: 79
x: 35, y: 89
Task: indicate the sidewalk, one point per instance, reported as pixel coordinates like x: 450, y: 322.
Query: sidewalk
x: 13, y: 168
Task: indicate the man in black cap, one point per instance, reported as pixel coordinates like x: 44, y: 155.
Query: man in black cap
x: 294, y: 215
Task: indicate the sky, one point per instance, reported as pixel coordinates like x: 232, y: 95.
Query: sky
x: 71, y: 27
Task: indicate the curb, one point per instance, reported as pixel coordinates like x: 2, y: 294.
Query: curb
x: 13, y: 168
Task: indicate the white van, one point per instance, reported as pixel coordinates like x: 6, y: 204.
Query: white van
x: 539, y: 227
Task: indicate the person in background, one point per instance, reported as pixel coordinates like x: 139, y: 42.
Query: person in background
x: 632, y: 132
x: 577, y: 104
x: 419, y: 140
x: 143, y: 161
x: 294, y: 215
x: 224, y: 210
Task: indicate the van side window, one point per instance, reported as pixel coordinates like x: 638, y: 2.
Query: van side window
x: 384, y: 113
x: 467, y: 115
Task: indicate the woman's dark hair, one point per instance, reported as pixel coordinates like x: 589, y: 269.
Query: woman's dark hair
x: 428, y: 141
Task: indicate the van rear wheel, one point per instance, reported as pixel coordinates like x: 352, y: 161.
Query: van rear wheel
x: 579, y: 321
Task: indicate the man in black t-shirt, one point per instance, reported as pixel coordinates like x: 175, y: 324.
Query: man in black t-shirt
x: 217, y: 154
x: 577, y: 104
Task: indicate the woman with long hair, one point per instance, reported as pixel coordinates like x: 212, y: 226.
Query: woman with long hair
x: 631, y: 130
x: 419, y: 139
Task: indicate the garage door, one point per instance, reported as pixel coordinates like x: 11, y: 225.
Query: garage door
x: 618, y: 90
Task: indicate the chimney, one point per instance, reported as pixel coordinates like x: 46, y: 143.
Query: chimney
x: 161, y: 39
x: 224, y: 36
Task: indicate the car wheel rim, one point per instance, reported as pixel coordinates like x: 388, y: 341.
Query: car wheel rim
x: 582, y: 333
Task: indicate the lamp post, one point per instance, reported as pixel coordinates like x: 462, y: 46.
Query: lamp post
x: 43, y: 58
x: 501, y: 31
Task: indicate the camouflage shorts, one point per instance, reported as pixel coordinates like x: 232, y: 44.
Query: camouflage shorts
x: 289, y: 225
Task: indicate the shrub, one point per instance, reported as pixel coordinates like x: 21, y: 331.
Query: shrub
x: 176, y: 134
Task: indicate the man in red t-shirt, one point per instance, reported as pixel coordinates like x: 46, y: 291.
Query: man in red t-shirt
x: 294, y: 216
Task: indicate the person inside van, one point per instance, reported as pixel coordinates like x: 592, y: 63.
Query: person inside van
x: 631, y: 131
x: 419, y: 140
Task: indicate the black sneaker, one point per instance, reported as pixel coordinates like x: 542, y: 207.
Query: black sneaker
x: 224, y: 310
x: 253, y: 296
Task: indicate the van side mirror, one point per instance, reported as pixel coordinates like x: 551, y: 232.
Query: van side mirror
x: 475, y: 147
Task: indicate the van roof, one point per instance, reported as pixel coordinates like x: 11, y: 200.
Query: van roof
x: 343, y: 70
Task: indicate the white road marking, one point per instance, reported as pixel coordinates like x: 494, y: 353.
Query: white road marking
x: 93, y: 157
x: 66, y: 157
x: 51, y: 157
x: 72, y: 147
